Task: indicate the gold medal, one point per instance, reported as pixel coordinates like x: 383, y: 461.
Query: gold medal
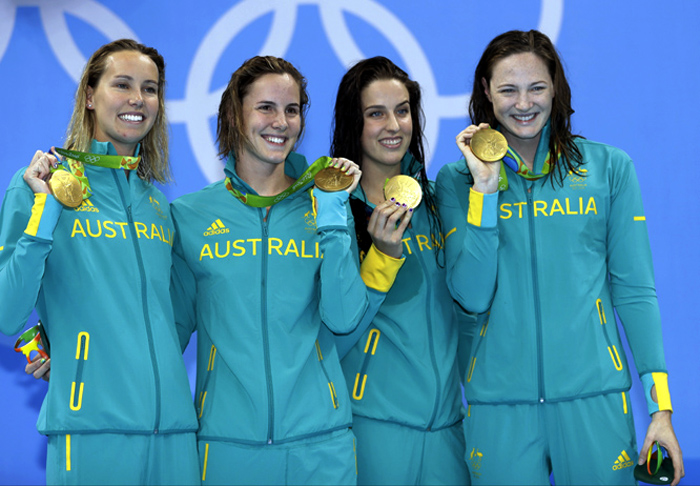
x: 331, y: 179
x: 66, y: 188
x: 489, y: 145
x: 404, y: 189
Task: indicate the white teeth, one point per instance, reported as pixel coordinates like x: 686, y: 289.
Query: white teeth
x: 395, y: 141
x: 524, y: 117
x: 132, y: 118
x: 274, y: 139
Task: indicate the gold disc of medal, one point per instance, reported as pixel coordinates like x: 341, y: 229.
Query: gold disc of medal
x: 331, y: 179
x: 66, y: 188
x: 404, y: 189
x: 489, y: 145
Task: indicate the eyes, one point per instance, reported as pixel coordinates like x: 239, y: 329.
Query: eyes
x: 510, y: 90
x: 401, y: 112
x: 291, y: 110
x: 148, y: 88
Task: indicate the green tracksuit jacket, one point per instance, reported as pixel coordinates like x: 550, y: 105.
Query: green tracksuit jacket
x: 264, y: 292
x: 568, y: 257
x: 99, y: 277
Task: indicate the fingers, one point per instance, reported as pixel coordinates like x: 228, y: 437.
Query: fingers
x: 39, y: 368
x: 387, y: 225
x: 350, y: 168
x: 38, y: 170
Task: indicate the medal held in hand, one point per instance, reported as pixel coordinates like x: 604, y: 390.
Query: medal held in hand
x: 331, y: 179
x: 404, y: 189
x: 489, y: 145
x: 66, y: 188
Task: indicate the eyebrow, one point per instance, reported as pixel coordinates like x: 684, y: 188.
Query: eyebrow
x: 375, y: 107
x: 130, y: 78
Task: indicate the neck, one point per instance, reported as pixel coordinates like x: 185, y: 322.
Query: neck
x: 265, y: 179
x: 373, y: 178
x: 527, y: 150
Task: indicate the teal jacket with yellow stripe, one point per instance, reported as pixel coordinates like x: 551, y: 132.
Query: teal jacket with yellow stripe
x: 401, y: 366
x: 567, y: 257
x: 265, y: 292
x: 99, y: 277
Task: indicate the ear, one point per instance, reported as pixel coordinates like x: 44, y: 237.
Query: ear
x: 89, y: 93
x: 486, y: 89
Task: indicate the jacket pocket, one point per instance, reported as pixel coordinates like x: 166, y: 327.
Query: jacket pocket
x: 78, y: 387
x: 358, y: 389
x: 331, y: 386
x: 612, y: 349
x: 203, y: 392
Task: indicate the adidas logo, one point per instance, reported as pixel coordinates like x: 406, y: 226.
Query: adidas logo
x: 216, y: 228
x: 623, y: 461
x: 87, y: 206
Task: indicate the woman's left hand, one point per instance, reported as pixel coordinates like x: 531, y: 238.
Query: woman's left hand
x: 350, y: 168
x: 386, y: 226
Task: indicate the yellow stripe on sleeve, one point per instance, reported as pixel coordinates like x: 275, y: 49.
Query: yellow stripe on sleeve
x: 640, y: 218
x: 68, y: 465
x: 37, y: 212
x: 476, y: 207
x: 379, y: 271
x: 662, y: 393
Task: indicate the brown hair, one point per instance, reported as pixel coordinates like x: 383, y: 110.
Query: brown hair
x: 230, y: 129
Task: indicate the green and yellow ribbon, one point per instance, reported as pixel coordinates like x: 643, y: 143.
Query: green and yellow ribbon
x: 257, y: 201
x: 76, y: 161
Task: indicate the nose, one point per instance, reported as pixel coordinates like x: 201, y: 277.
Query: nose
x: 137, y: 100
x: 392, y: 124
x: 524, y: 102
x: 280, y: 122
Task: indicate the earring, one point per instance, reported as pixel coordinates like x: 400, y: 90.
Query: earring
x: 89, y: 105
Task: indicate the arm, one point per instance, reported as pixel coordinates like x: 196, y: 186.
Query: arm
x: 28, y: 219
x: 183, y: 291
x: 471, y: 240
x: 634, y: 297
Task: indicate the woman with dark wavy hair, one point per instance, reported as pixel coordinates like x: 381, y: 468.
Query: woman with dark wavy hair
x: 548, y: 382
x: 401, y: 367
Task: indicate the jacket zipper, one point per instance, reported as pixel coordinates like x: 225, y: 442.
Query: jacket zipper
x: 431, y: 343
x: 536, y: 293
x: 265, y: 329
x: 144, y: 294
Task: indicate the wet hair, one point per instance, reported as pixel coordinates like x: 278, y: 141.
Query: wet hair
x: 348, y: 124
x: 481, y: 109
x: 155, y: 163
x: 230, y: 127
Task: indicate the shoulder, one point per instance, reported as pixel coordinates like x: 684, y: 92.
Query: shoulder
x: 203, y: 196
x: 597, y: 152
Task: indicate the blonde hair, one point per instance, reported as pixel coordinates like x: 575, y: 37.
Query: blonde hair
x: 155, y: 164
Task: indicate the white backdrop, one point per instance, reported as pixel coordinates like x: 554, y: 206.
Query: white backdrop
x: 633, y: 66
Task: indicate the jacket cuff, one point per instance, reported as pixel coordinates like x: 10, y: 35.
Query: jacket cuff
x: 483, y: 209
x: 330, y: 208
x: 662, y: 392
x: 45, y: 213
x: 379, y: 270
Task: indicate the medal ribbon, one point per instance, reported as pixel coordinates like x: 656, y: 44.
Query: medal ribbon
x: 513, y: 160
x: 76, y: 161
x: 264, y: 201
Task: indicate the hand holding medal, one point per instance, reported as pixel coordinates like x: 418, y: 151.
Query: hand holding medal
x: 44, y: 176
x: 339, y: 175
x: 483, y: 148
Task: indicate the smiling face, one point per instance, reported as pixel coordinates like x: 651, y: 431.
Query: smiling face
x: 521, y: 90
x: 272, y: 116
x: 125, y: 101
x: 388, y: 125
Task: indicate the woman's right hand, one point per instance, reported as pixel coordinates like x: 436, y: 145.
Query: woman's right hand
x: 39, y: 368
x: 38, y: 171
x: 382, y: 227
x: 485, y: 174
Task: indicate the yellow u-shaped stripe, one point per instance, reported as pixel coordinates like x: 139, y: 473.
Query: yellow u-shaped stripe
x: 212, y: 356
x: 362, y: 389
x: 616, y: 358
x: 471, y: 369
x: 334, y: 397
x: 624, y: 403
x: 482, y: 333
x: 204, y: 466
x: 68, y: 465
x: 72, y: 396
x: 372, y: 333
x: 601, y: 312
x: 87, y: 345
